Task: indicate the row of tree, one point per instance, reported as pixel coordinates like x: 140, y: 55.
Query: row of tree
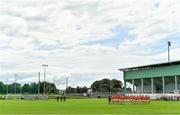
x: 32, y: 88
x: 104, y: 85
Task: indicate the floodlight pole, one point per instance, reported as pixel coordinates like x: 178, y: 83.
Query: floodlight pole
x: 101, y: 87
x: 54, y: 81
x: 44, y: 65
x: 38, y: 83
x: 7, y: 89
x: 109, y: 87
x: 7, y: 85
x: 20, y: 90
x: 168, y: 55
x: 15, y: 84
x: 67, y: 85
x: 169, y: 44
x: 15, y: 87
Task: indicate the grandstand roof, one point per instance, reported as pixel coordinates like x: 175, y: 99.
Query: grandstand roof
x: 150, y: 66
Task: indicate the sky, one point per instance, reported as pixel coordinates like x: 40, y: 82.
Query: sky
x: 84, y: 40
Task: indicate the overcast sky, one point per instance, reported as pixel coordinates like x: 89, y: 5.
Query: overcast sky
x: 84, y: 40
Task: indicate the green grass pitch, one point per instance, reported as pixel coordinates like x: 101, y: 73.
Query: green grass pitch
x: 87, y: 106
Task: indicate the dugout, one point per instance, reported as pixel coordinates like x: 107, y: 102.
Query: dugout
x: 161, y: 78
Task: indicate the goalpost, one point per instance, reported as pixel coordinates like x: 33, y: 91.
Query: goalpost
x: 13, y: 96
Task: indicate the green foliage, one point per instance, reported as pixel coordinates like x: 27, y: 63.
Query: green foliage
x: 26, y: 88
x: 2, y: 88
x: 105, y: 85
x: 77, y: 89
x: 11, y: 88
x: 31, y: 88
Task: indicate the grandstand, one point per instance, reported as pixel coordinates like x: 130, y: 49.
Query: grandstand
x: 155, y: 79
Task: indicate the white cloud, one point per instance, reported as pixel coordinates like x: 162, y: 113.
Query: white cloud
x: 52, y: 32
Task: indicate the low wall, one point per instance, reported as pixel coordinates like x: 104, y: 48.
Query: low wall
x: 155, y: 96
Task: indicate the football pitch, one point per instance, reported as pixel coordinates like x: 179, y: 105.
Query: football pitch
x: 86, y: 106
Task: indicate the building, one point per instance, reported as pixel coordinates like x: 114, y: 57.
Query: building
x: 162, y: 78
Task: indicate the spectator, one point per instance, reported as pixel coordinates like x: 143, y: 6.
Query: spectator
x: 64, y: 98
x: 57, y: 98
x: 61, y: 98
x: 109, y: 98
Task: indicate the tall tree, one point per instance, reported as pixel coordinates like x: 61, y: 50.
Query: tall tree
x: 2, y: 88
x: 105, y: 85
x: 33, y: 88
x: 26, y: 88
